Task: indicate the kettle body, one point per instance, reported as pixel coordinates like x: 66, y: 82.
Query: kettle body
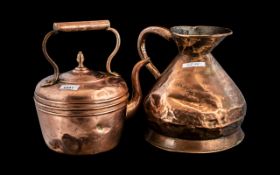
x: 83, y: 111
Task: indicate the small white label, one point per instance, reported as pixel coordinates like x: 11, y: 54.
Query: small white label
x: 69, y: 87
x: 194, y: 64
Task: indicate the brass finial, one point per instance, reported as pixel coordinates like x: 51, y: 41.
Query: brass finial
x: 80, y: 59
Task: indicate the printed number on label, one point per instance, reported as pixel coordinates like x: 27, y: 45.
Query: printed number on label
x: 194, y: 64
x: 69, y: 87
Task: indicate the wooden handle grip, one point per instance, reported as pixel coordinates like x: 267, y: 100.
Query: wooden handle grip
x: 81, y: 26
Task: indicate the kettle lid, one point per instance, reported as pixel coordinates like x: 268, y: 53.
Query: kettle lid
x: 82, y: 85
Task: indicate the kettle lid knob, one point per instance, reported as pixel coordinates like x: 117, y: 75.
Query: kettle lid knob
x: 80, y: 59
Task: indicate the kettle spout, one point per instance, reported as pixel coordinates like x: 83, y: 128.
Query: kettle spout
x: 137, y: 92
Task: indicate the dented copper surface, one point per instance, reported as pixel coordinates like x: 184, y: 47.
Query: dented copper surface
x: 194, y: 106
x: 82, y: 111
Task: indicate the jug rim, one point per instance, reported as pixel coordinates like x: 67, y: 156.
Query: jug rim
x: 200, y: 31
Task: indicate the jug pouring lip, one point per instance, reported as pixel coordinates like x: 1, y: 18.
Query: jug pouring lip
x: 200, y: 31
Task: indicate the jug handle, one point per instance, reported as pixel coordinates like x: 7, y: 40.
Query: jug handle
x: 78, y: 27
x: 141, y: 45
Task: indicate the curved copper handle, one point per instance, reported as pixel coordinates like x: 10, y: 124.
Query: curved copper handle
x: 141, y: 46
x: 77, y: 27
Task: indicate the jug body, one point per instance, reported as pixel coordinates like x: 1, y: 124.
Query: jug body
x: 194, y: 106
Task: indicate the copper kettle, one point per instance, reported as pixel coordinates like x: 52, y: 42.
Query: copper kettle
x: 82, y: 111
x: 194, y: 106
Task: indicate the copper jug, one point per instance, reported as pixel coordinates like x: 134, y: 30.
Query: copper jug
x: 82, y: 111
x: 194, y: 106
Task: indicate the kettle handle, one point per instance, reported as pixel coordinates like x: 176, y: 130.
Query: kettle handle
x: 78, y: 27
x: 141, y: 45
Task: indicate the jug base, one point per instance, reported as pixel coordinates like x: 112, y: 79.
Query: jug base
x: 194, y: 146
